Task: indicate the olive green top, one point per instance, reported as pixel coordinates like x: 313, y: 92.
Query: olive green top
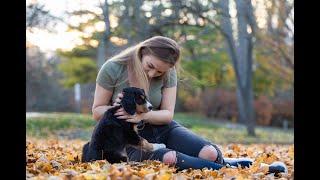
x: 113, y: 76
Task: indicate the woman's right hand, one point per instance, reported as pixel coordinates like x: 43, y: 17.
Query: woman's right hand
x: 117, y: 102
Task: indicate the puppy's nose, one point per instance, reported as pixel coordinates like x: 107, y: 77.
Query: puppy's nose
x: 149, y: 105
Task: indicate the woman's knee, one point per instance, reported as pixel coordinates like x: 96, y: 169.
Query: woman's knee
x: 169, y: 158
x: 209, y: 153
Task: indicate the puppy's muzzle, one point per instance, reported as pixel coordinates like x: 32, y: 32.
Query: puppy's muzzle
x: 149, y: 105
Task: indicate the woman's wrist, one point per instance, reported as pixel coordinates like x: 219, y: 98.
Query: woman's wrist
x: 99, y: 111
x: 144, y: 116
x: 158, y: 117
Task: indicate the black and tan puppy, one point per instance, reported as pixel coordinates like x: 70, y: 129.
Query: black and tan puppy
x: 111, y: 135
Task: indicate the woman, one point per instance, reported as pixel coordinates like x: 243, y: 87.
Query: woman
x: 153, y: 65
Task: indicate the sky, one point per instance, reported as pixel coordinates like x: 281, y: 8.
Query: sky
x: 67, y: 40
x: 62, y: 39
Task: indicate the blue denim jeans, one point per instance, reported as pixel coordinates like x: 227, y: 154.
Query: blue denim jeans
x: 185, y: 143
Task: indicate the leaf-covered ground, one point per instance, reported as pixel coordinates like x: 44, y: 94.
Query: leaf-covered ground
x: 54, y: 159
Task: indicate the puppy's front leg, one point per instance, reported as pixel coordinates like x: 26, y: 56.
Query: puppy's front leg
x: 140, y: 143
x: 150, y: 146
x: 158, y: 146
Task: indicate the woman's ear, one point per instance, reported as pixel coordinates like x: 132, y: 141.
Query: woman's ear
x: 128, y: 103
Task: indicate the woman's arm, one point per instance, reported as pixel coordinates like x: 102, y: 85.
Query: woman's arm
x: 166, y: 112
x: 101, y: 101
x: 158, y: 117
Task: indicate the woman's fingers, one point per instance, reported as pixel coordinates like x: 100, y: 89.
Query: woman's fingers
x: 120, y: 110
x: 122, y: 117
x: 131, y: 120
x: 118, y: 100
x: 121, y: 114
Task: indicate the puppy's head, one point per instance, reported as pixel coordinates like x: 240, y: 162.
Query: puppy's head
x: 135, y: 101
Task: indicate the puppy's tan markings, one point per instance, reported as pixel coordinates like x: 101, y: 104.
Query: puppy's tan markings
x: 145, y: 145
x: 135, y: 128
x: 142, y: 108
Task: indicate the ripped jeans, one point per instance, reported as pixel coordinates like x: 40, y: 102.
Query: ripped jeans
x: 185, y: 143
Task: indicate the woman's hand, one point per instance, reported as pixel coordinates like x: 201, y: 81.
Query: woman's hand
x: 117, y: 102
x: 122, y: 114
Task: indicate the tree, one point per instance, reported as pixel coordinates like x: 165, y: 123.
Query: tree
x: 105, y: 38
x: 73, y: 69
x: 275, y: 44
x: 240, y: 49
x: 239, y: 45
x: 38, y: 16
x: 43, y: 92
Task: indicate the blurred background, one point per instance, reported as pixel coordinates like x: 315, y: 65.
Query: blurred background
x: 238, y: 55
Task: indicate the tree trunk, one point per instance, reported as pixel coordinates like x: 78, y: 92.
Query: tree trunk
x: 240, y: 51
x: 104, y: 41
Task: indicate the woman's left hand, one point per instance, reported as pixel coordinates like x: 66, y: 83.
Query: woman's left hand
x: 122, y: 114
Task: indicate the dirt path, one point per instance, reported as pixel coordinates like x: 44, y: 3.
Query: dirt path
x: 33, y: 114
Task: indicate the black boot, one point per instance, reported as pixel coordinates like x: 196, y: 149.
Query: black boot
x: 276, y: 167
x: 244, y: 162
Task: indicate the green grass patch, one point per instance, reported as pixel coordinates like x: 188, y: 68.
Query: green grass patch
x: 228, y: 135
x: 80, y: 126
x: 193, y: 120
x: 50, y: 123
x: 220, y: 135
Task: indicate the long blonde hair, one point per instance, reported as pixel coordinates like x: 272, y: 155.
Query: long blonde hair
x: 164, y: 48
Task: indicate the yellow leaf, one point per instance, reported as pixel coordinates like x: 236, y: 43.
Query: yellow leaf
x: 30, y: 151
x: 165, y: 176
x: 88, y: 176
x: 270, y: 158
x: 256, y: 165
x: 94, y: 166
x: 291, y: 153
x: 30, y: 146
x: 264, y: 169
x: 70, y: 157
x: 50, y: 157
x: 47, y: 167
x: 140, y: 174
x: 79, y: 156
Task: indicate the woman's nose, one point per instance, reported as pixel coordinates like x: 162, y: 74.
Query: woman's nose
x: 151, y: 74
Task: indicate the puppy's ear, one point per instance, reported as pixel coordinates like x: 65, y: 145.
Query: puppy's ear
x: 128, y: 103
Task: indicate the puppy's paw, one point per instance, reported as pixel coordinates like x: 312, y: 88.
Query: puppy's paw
x: 158, y: 146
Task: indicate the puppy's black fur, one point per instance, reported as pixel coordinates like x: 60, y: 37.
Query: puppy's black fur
x: 112, y: 135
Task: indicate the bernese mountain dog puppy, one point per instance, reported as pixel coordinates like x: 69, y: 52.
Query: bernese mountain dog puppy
x: 111, y: 135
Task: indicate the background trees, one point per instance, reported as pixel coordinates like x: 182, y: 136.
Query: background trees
x: 240, y: 53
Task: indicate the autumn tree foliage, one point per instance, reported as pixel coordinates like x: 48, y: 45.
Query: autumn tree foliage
x: 222, y: 104
x: 264, y: 109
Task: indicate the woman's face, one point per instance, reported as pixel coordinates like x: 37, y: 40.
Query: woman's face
x: 153, y: 66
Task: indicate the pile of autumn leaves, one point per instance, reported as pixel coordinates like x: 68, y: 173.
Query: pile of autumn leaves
x: 60, y: 160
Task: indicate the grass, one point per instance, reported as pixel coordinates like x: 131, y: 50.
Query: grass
x: 80, y: 126
x: 52, y: 123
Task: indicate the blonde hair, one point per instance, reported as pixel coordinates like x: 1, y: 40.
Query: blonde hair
x: 164, y: 48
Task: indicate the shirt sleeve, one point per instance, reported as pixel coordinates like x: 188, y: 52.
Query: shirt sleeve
x: 171, y: 80
x: 105, y: 77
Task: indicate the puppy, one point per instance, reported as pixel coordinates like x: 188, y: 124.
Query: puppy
x: 111, y: 135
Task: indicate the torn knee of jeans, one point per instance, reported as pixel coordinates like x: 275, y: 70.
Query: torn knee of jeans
x: 209, y: 152
x: 170, y: 158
